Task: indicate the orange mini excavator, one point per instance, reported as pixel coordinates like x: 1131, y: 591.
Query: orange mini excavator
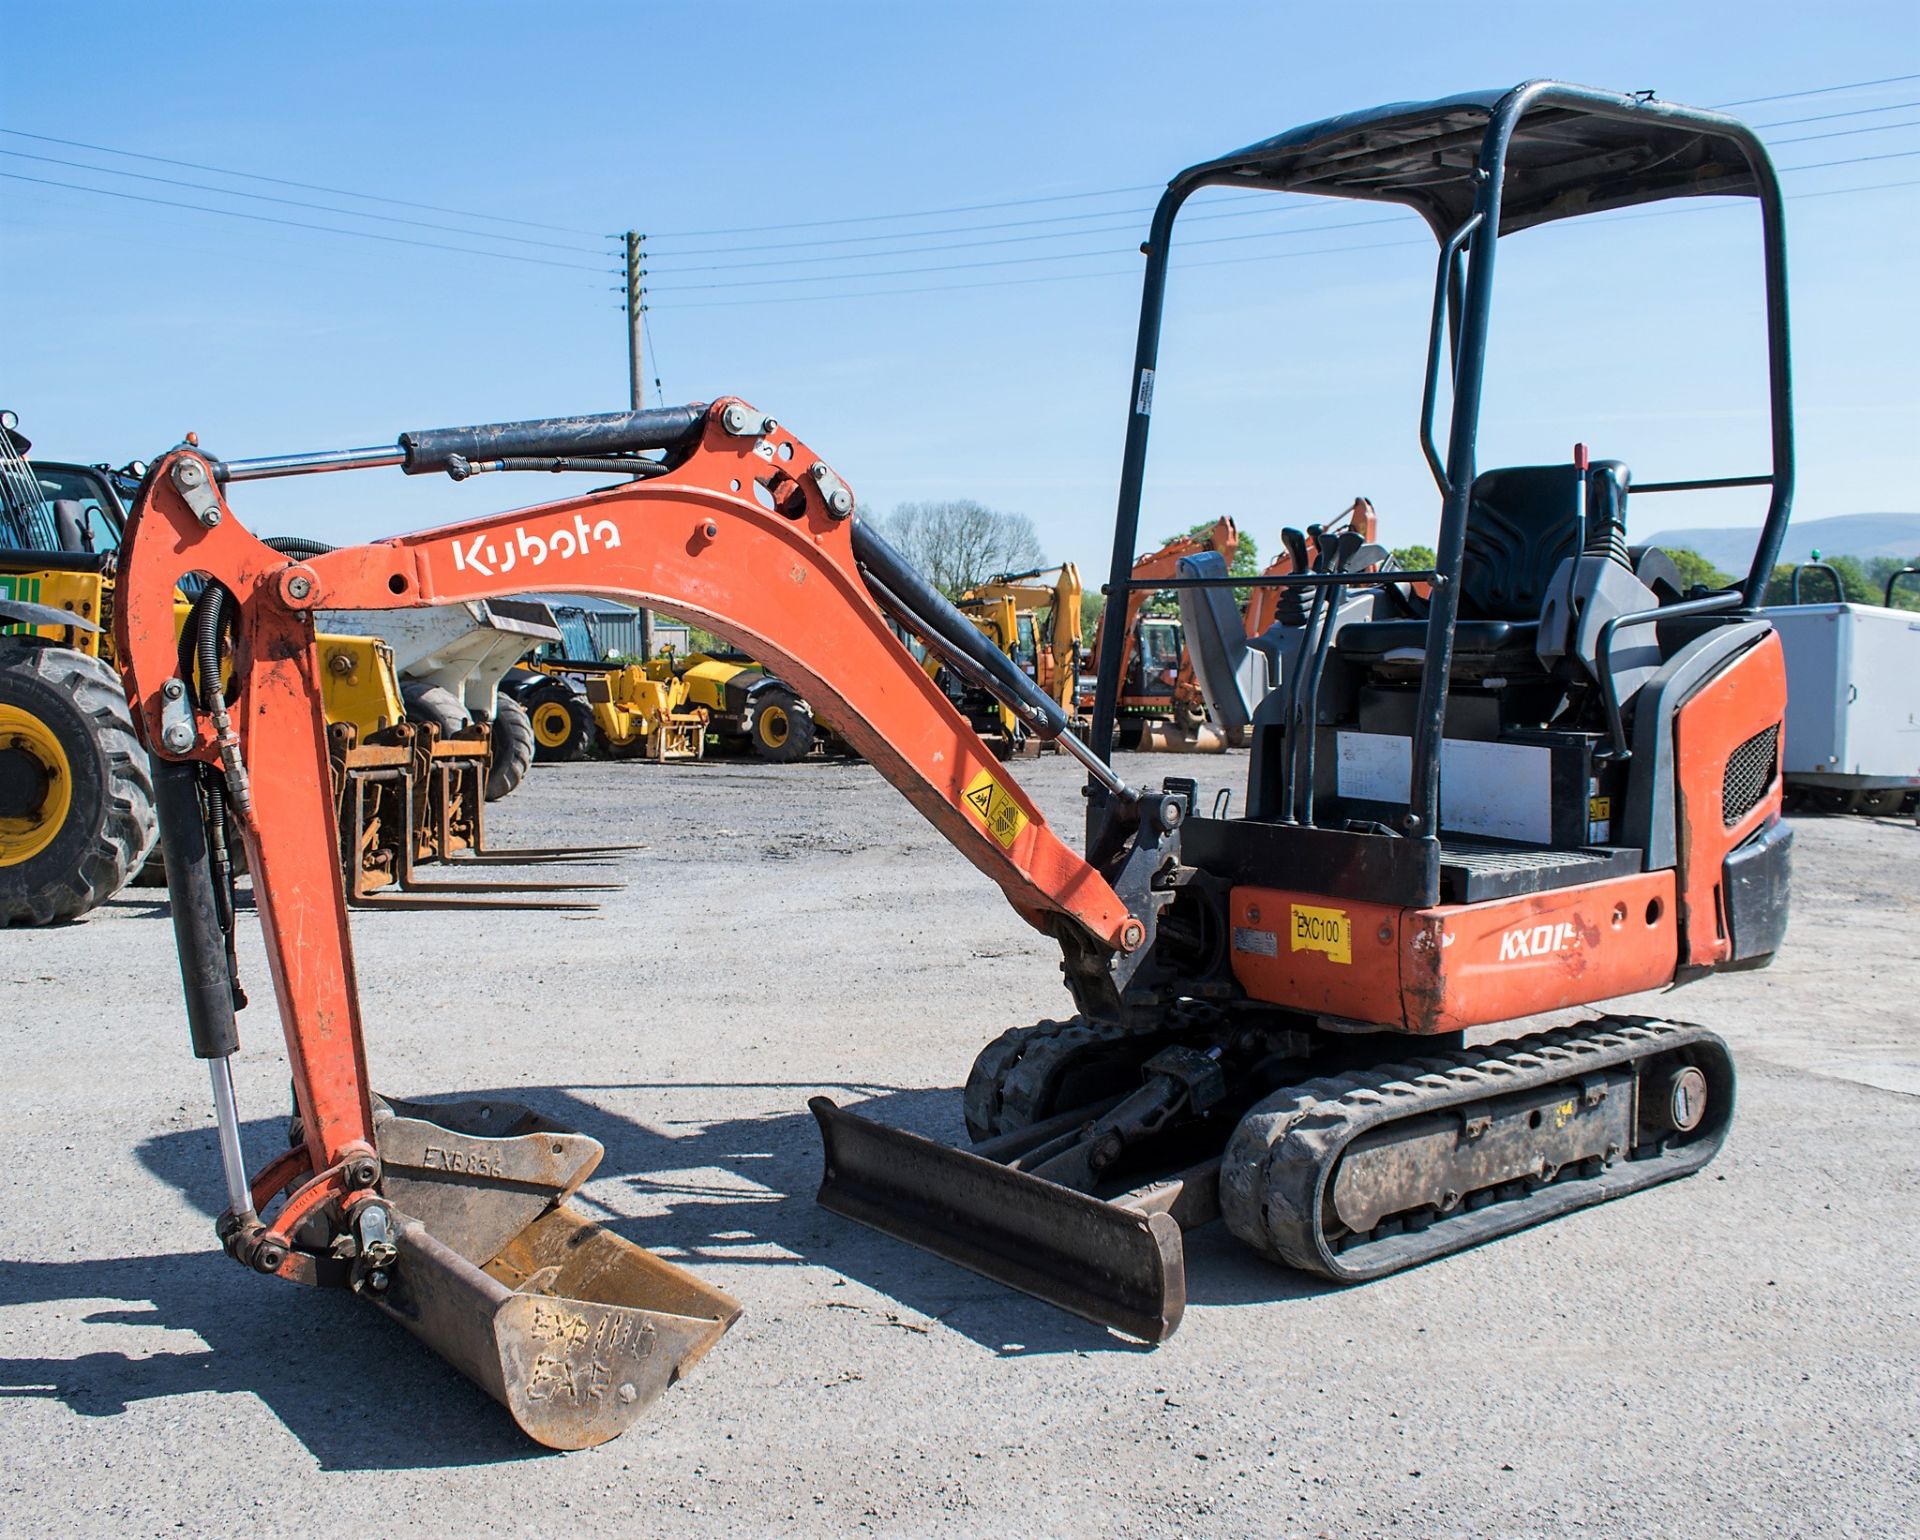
x: 1551, y: 781
x: 1160, y: 705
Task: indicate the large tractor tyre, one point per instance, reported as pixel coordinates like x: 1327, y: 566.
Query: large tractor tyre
x: 76, y: 794
x: 432, y: 705
x: 562, y: 725
x: 511, y: 747
x: 782, y: 726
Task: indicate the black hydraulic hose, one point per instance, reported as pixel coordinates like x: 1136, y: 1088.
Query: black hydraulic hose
x: 209, y: 618
x: 208, y: 615
x: 298, y: 546
x: 925, y: 609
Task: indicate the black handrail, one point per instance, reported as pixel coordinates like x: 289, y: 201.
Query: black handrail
x: 1894, y: 577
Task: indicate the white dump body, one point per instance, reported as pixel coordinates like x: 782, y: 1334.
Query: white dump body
x: 1853, y: 694
x: 465, y: 648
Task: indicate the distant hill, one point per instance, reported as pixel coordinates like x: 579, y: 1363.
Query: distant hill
x: 1865, y: 535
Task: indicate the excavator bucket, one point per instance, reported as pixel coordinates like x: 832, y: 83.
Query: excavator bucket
x: 1117, y: 1261
x: 572, y: 1328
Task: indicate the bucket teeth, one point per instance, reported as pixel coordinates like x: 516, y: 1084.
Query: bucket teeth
x: 572, y: 1328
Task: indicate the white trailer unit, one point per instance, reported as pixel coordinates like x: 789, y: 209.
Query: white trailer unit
x: 1853, y: 706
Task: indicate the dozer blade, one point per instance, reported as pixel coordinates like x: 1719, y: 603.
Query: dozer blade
x: 1119, y: 1263
x: 570, y: 1327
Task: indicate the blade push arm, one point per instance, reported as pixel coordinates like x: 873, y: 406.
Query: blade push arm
x: 742, y: 529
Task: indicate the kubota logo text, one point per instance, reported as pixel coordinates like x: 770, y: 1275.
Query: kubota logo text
x: 1539, y: 941
x: 481, y: 555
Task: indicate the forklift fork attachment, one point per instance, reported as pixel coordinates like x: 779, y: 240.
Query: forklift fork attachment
x: 1116, y: 1262
x: 570, y: 1327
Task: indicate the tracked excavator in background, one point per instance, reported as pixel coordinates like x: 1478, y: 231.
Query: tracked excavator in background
x: 1232, y: 657
x: 1554, y: 783
x: 1160, y: 706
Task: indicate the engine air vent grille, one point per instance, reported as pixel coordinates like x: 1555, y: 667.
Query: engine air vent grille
x: 1749, y: 777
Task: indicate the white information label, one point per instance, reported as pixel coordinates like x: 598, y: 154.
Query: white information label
x: 1502, y: 790
x: 1143, y: 400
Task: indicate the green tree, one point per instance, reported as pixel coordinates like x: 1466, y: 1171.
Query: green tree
x: 1091, y: 606
x: 1906, y: 593
x: 1856, y: 583
x: 1696, y: 571
x: 1415, y: 558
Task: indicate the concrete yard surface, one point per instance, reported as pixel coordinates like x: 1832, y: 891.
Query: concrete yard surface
x: 1733, y: 1354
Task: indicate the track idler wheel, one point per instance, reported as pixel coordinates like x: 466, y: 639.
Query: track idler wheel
x: 572, y: 1328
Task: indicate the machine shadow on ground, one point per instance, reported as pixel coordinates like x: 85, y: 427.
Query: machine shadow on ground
x: 296, y: 1350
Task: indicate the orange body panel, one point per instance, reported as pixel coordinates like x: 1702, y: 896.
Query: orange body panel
x: 1745, y: 698
x: 1455, y: 965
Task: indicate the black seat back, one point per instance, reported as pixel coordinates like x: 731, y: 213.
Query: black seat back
x: 1523, y: 520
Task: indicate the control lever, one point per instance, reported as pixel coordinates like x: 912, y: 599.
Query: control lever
x: 1346, y: 551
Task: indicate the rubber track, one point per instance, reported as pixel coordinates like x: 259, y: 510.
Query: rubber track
x: 1278, y: 1163
x: 986, y: 1097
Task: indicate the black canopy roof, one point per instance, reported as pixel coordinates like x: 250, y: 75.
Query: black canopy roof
x: 1573, y: 151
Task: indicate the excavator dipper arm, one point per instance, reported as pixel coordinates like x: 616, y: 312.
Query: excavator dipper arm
x: 739, y: 527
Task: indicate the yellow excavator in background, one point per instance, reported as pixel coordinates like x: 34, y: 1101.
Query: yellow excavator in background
x: 1035, y: 623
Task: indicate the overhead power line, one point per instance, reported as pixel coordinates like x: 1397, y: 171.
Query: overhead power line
x: 1788, y: 96
x: 255, y: 176
x: 1829, y: 117
x: 1061, y: 219
x: 1131, y: 226
x: 1059, y: 256
x: 960, y: 208
x: 1847, y: 133
x: 1132, y: 269
x: 298, y: 203
x: 302, y: 224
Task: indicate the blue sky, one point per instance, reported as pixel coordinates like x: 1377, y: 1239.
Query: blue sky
x: 1289, y: 382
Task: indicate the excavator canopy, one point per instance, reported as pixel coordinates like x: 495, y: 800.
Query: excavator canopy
x: 1563, y: 158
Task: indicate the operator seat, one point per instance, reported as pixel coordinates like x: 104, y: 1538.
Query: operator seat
x: 1522, y: 522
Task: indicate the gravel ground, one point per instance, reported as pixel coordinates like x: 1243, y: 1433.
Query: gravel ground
x: 1731, y: 1354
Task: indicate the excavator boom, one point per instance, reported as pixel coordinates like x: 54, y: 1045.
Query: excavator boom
x: 452, y: 1218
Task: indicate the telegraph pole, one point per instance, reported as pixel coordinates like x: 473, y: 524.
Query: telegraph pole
x: 636, y: 377
x: 636, y: 313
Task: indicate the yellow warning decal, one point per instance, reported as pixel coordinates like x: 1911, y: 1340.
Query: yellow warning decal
x: 994, y: 806
x: 1323, y: 930
x: 1599, y: 808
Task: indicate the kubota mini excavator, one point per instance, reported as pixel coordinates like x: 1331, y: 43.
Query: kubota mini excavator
x: 1555, y: 783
